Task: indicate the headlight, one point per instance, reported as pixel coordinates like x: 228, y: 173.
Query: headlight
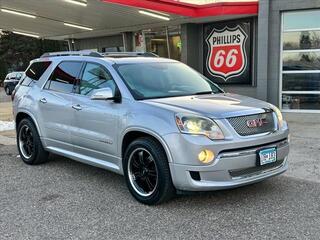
x: 199, y: 126
x: 279, y: 116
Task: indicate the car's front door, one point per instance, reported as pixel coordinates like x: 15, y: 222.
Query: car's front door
x: 55, y: 105
x: 95, y: 122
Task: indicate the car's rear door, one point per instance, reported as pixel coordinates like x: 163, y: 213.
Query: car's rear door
x: 95, y: 122
x: 55, y: 105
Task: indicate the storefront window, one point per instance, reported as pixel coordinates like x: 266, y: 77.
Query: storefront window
x: 112, y: 49
x: 300, y: 73
x: 165, y: 42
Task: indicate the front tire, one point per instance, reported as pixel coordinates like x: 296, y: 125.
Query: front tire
x: 29, y: 144
x: 147, y: 172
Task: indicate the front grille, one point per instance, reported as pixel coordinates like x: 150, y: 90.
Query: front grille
x: 253, y: 170
x: 241, y: 127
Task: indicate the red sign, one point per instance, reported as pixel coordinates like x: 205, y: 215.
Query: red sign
x: 227, y: 56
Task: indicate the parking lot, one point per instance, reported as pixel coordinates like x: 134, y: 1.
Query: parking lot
x: 64, y: 199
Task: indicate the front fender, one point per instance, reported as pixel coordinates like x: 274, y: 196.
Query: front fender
x: 149, y: 132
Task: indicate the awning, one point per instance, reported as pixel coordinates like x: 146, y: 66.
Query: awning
x: 195, y: 8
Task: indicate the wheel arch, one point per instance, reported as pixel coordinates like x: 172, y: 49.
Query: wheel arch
x: 134, y: 133
x: 25, y: 114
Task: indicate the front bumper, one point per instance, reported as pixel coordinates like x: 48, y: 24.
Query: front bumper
x: 231, y: 168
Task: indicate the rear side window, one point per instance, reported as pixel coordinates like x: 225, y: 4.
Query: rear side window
x: 64, y: 76
x: 35, y: 71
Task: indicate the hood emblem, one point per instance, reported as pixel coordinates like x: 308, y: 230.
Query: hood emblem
x: 255, y: 123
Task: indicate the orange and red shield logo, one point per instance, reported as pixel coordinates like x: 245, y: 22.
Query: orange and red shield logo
x: 227, y: 56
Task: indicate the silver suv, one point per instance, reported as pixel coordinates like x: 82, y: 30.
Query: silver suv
x: 158, y: 122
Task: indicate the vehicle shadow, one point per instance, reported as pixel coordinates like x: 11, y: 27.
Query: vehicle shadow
x: 254, y: 193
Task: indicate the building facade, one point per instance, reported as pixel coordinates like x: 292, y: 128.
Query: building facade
x: 273, y: 55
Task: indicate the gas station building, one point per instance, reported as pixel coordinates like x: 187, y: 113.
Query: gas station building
x: 267, y: 49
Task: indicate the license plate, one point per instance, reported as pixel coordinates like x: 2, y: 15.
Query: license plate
x: 268, y: 155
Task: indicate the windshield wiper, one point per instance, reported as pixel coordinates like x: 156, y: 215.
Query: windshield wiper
x: 203, y: 93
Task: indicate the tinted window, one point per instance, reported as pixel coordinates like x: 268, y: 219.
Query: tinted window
x: 36, y: 70
x: 64, y: 77
x: 305, y: 81
x: 95, y: 77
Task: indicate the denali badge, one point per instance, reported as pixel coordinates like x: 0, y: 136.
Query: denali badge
x: 254, y: 123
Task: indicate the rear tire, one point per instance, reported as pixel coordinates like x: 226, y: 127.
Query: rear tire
x: 145, y: 159
x: 29, y: 144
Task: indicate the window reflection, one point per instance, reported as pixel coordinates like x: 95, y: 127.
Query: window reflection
x: 155, y: 40
x: 64, y: 77
x: 301, y: 101
x: 301, y: 61
x: 301, y: 40
x: 95, y: 77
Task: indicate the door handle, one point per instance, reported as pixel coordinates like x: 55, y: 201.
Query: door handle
x: 43, y: 100
x: 77, y: 107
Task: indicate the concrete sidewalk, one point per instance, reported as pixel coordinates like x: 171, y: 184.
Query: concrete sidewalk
x: 6, y: 111
x: 6, y: 137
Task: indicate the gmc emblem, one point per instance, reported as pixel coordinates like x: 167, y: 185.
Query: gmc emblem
x: 254, y: 123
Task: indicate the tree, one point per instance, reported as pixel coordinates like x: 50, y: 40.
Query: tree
x: 16, y: 51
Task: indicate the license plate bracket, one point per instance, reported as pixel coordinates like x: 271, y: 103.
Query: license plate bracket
x: 266, y: 156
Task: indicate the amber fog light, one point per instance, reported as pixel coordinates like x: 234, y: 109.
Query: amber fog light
x: 206, y: 156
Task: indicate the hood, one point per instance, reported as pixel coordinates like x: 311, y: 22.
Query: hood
x: 221, y: 105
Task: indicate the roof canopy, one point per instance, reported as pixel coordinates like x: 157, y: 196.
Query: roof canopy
x: 64, y: 19
x: 194, y: 8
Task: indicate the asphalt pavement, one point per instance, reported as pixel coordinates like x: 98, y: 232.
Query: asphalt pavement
x: 64, y: 199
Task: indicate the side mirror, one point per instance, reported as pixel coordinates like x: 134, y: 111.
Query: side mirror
x: 103, y: 94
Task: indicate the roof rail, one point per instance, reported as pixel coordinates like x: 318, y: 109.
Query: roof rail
x: 72, y: 53
x: 97, y: 54
x: 128, y: 54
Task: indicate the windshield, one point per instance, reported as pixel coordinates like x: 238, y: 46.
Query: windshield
x: 160, y: 80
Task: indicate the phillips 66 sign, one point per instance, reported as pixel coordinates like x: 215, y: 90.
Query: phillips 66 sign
x: 227, y: 52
